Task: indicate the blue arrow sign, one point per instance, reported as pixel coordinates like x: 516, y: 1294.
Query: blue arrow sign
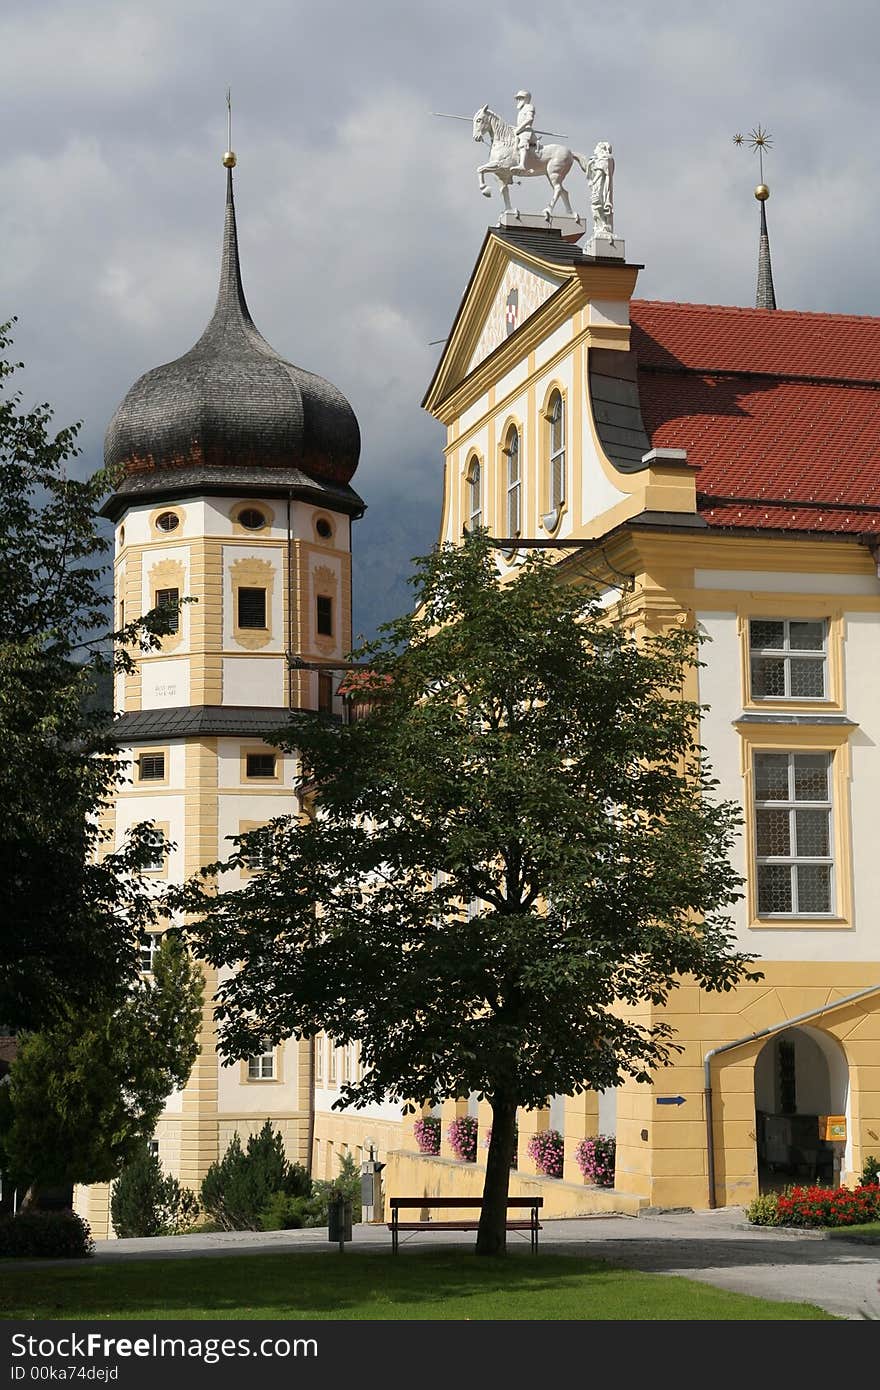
x: 670, y: 1100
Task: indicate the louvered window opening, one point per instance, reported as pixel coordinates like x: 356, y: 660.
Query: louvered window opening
x: 151, y: 767
x: 252, y: 608
x: 169, y: 599
x: 793, y: 834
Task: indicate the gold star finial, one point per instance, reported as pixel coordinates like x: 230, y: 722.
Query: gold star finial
x: 759, y: 140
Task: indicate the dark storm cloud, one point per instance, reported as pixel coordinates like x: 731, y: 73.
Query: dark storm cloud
x: 359, y: 216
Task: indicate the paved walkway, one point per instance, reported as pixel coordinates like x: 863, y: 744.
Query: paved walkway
x: 716, y: 1247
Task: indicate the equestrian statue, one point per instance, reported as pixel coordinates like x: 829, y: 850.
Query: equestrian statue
x: 516, y: 152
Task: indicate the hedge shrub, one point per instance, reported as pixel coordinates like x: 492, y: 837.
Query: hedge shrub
x: 46, y: 1234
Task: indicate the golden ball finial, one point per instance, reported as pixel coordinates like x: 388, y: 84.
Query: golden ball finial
x: 762, y: 193
x: 229, y: 160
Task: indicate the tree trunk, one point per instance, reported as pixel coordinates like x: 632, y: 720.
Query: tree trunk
x: 492, y: 1234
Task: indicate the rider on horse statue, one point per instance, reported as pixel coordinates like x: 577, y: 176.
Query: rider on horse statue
x: 526, y: 140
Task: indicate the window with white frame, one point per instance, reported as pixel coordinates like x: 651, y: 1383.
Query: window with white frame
x: 147, y: 952
x: 514, y: 483
x: 793, y: 843
x: 261, y: 1067
x: 474, y: 495
x: 319, y: 1057
x: 556, y: 418
x: 156, y: 850
x: 788, y: 658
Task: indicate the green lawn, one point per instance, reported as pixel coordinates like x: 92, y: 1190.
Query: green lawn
x: 868, y: 1233
x: 415, y: 1285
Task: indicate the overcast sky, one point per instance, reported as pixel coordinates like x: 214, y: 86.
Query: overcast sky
x: 359, y: 217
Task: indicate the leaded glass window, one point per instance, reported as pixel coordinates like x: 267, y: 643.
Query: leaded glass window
x: 788, y: 658
x: 793, y: 845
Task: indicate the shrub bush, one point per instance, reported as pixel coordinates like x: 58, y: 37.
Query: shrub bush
x: 427, y: 1133
x: 49, y: 1234
x: 348, y: 1183
x: 546, y: 1150
x: 462, y: 1136
x: 285, y: 1213
x: 871, y: 1171
x: 238, y: 1188
x: 144, y: 1202
x: 596, y: 1157
x: 763, y: 1209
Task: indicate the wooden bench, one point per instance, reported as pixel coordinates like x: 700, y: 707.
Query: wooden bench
x: 395, y: 1225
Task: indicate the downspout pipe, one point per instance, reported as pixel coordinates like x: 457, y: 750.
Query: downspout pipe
x: 753, y: 1037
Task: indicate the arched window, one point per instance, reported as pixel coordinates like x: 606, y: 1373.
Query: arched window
x: 556, y: 418
x: 514, y: 483
x: 474, y: 495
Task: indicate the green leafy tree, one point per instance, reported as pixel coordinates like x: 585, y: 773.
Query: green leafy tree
x: 71, y: 911
x: 240, y: 1187
x: 85, y: 1094
x: 513, y: 853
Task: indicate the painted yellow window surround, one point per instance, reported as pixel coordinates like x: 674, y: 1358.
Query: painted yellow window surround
x: 265, y: 1068
x: 512, y: 453
x: 261, y: 765
x: 252, y: 585
x: 775, y: 657
x: 474, y: 493
x: 796, y: 823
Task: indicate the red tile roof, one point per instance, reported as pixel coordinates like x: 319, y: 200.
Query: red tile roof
x: 779, y: 411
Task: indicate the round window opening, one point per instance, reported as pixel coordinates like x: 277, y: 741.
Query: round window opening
x: 251, y: 519
x: 323, y: 528
x: 122, y: 535
x: 168, y: 521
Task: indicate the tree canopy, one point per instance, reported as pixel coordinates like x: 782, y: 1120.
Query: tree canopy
x: 85, y: 1094
x: 512, y: 852
x: 70, y: 911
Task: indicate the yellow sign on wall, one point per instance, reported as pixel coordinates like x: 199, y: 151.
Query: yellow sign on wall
x: 832, y: 1128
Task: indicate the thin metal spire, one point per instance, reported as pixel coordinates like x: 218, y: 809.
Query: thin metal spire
x: 765, y: 295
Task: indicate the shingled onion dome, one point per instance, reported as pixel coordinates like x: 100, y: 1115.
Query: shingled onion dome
x: 233, y: 402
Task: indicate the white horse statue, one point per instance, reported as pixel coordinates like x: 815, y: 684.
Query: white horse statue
x: 553, y: 161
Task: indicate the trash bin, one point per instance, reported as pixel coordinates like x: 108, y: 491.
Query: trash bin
x: 339, y: 1220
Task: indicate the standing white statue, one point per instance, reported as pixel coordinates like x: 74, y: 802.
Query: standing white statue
x: 600, y: 172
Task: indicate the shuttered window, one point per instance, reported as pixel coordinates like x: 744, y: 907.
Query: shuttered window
x: 252, y: 607
x: 151, y: 767
x: 324, y: 615
x: 169, y: 599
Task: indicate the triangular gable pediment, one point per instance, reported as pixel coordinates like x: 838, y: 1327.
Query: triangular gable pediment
x: 509, y: 285
x: 522, y: 291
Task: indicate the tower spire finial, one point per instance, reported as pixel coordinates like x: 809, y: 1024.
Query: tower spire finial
x: 765, y: 295
x: 229, y: 159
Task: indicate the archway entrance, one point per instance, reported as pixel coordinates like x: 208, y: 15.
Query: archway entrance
x: 800, y: 1074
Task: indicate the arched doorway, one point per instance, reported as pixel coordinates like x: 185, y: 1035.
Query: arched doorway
x: 800, y: 1074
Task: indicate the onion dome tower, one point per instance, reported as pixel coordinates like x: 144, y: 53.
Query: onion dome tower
x: 233, y: 472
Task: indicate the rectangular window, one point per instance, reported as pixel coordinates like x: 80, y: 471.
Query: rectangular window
x: 514, y: 490
x: 325, y: 692
x: 331, y: 1073
x: 252, y: 607
x: 324, y: 615
x: 793, y: 846
x: 262, y: 1066
x: 122, y: 612
x: 151, y: 767
x: 319, y: 1057
x: 258, y: 857
x: 155, y: 842
x: 148, y: 951
x: 788, y: 658
x: 260, y: 764
x: 169, y: 598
